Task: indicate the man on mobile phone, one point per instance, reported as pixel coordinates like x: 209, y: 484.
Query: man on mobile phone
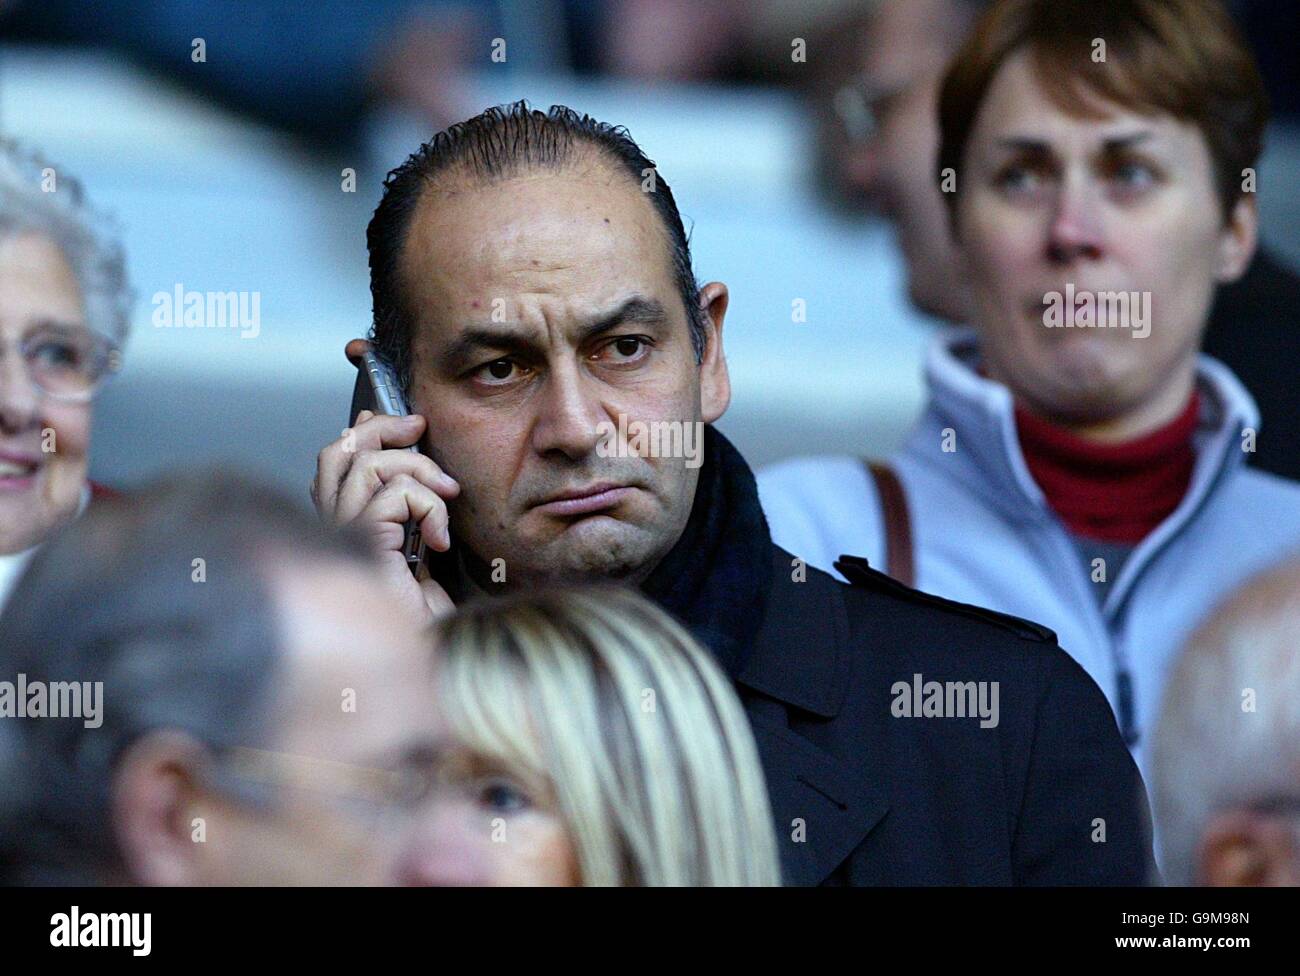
x: 533, y: 291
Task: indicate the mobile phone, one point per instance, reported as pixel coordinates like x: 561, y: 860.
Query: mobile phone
x: 378, y: 391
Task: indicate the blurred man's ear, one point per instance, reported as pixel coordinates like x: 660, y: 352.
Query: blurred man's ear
x: 1239, y: 239
x: 715, y: 383
x: 1244, y: 848
x: 155, y: 803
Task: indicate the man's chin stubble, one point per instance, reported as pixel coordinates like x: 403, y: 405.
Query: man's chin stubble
x: 627, y: 557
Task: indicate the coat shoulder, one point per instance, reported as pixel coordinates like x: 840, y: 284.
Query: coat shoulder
x: 861, y: 576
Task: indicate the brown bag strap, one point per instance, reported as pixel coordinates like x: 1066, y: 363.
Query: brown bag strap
x: 898, y: 523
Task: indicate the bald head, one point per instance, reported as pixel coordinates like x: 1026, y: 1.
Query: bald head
x: 1227, y: 751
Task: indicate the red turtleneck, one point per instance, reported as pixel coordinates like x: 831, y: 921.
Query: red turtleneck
x: 1111, y: 492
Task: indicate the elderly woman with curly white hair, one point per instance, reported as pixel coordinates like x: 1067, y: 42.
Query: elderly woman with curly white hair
x: 64, y: 303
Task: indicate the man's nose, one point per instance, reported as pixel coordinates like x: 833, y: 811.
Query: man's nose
x: 19, y: 399
x: 568, y: 419
x: 1076, y: 231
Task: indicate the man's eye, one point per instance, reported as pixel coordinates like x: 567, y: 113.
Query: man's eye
x: 498, y: 372
x: 624, y: 349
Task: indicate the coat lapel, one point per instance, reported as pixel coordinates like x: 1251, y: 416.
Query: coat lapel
x: 824, y: 805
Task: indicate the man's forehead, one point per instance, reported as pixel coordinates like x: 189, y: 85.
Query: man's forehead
x: 567, y: 247
x: 356, y: 682
x: 335, y: 616
x: 531, y: 223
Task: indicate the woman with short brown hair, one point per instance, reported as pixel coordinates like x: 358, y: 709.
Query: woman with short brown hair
x: 1080, y: 463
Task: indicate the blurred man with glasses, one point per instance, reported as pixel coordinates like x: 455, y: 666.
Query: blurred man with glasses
x: 886, y: 137
x: 64, y: 304
x: 266, y: 712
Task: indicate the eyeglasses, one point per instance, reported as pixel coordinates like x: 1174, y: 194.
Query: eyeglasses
x: 68, y: 364
x: 371, y: 795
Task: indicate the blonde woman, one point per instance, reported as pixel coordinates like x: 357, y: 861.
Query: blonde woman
x: 588, y: 740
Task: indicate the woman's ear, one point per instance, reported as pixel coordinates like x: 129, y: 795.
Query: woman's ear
x: 715, y: 383
x: 1238, y: 239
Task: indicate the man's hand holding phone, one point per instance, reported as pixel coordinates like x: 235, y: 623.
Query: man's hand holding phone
x: 370, y: 477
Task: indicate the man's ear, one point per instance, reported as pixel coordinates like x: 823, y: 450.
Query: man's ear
x: 1244, y: 848
x: 154, y: 808
x: 715, y: 383
x: 1238, y: 240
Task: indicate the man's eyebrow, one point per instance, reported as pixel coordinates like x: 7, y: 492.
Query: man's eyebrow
x: 637, y: 309
x: 476, y: 339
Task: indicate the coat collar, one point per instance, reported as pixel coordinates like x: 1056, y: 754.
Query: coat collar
x: 824, y: 804
x: 800, y: 655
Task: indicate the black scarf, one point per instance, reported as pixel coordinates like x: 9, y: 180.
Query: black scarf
x: 716, y: 578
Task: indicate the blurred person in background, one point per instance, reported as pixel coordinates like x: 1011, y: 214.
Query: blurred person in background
x: 1084, y: 477
x: 540, y: 311
x: 264, y: 715
x: 1226, y: 781
x: 886, y: 117
x: 64, y: 306
x: 321, y: 70
x: 588, y: 740
x: 883, y: 139
x: 737, y: 41
x: 311, y: 69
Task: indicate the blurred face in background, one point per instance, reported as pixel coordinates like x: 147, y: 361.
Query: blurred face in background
x: 908, y: 45
x: 1250, y: 848
x: 494, y: 824
x: 547, y: 307
x: 335, y: 798
x: 44, y: 441
x: 1119, y: 202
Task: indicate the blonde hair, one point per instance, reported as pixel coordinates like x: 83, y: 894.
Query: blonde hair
x: 637, y: 730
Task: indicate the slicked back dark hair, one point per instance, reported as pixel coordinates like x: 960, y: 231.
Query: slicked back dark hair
x: 499, y: 143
